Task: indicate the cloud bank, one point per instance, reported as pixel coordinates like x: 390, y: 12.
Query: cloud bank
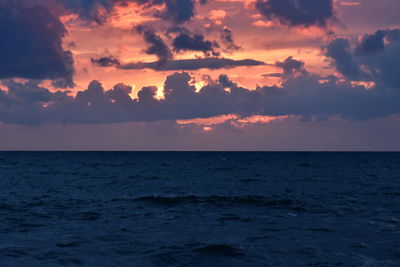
x: 302, y: 94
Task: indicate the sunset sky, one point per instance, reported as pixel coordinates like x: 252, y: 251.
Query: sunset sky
x: 200, y: 74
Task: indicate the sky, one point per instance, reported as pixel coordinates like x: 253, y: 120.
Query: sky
x: 200, y: 75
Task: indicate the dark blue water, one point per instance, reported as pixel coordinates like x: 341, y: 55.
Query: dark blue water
x: 199, y: 209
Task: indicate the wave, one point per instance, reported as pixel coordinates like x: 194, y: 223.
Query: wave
x: 221, y: 250
x: 250, y: 200
x: 4, y: 206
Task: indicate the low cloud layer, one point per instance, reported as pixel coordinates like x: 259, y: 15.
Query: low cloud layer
x: 302, y: 94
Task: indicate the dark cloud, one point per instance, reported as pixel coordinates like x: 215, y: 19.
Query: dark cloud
x: 176, y: 11
x: 120, y: 94
x: 393, y: 35
x: 92, y: 10
x: 179, y: 11
x: 106, y: 61
x: 195, y: 42
x: 156, y: 45
x: 27, y: 93
x: 32, y: 44
x: 374, y: 43
x: 375, y: 58
x: 147, y: 95
x: 99, y: 11
x: 291, y: 66
x: 371, y: 44
x: 302, y: 13
x: 227, y: 40
x: 339, y: 50
x: 183, y: 64
x: 301, y: 95
x: 274, y: 75
x: 307, y: 96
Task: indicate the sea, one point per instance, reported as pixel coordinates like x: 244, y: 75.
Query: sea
x: 199, y: 209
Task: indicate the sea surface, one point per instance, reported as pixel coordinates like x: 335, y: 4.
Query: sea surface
x: 199, y: 209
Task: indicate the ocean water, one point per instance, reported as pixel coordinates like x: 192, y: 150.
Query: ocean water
x: 199, y: 209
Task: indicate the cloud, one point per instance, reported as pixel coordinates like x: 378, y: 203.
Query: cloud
x: 176, y: 11
x: 179, y: 11
x: 291, y: 66
x: 339, y: 50
x: 301, y: 95
x: 393, y: 35
x: 156, y: 45
x: 375, y: 58
x: 92, y: 10
x: 32, y: 44
x: 374, y: 43
x: 106, y: 61
x: 182, y: 64
x: 371, y: 43
x: 227, y: 39
x: 297, y: 13
x: 187, y: 42
x: 97, y: 11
